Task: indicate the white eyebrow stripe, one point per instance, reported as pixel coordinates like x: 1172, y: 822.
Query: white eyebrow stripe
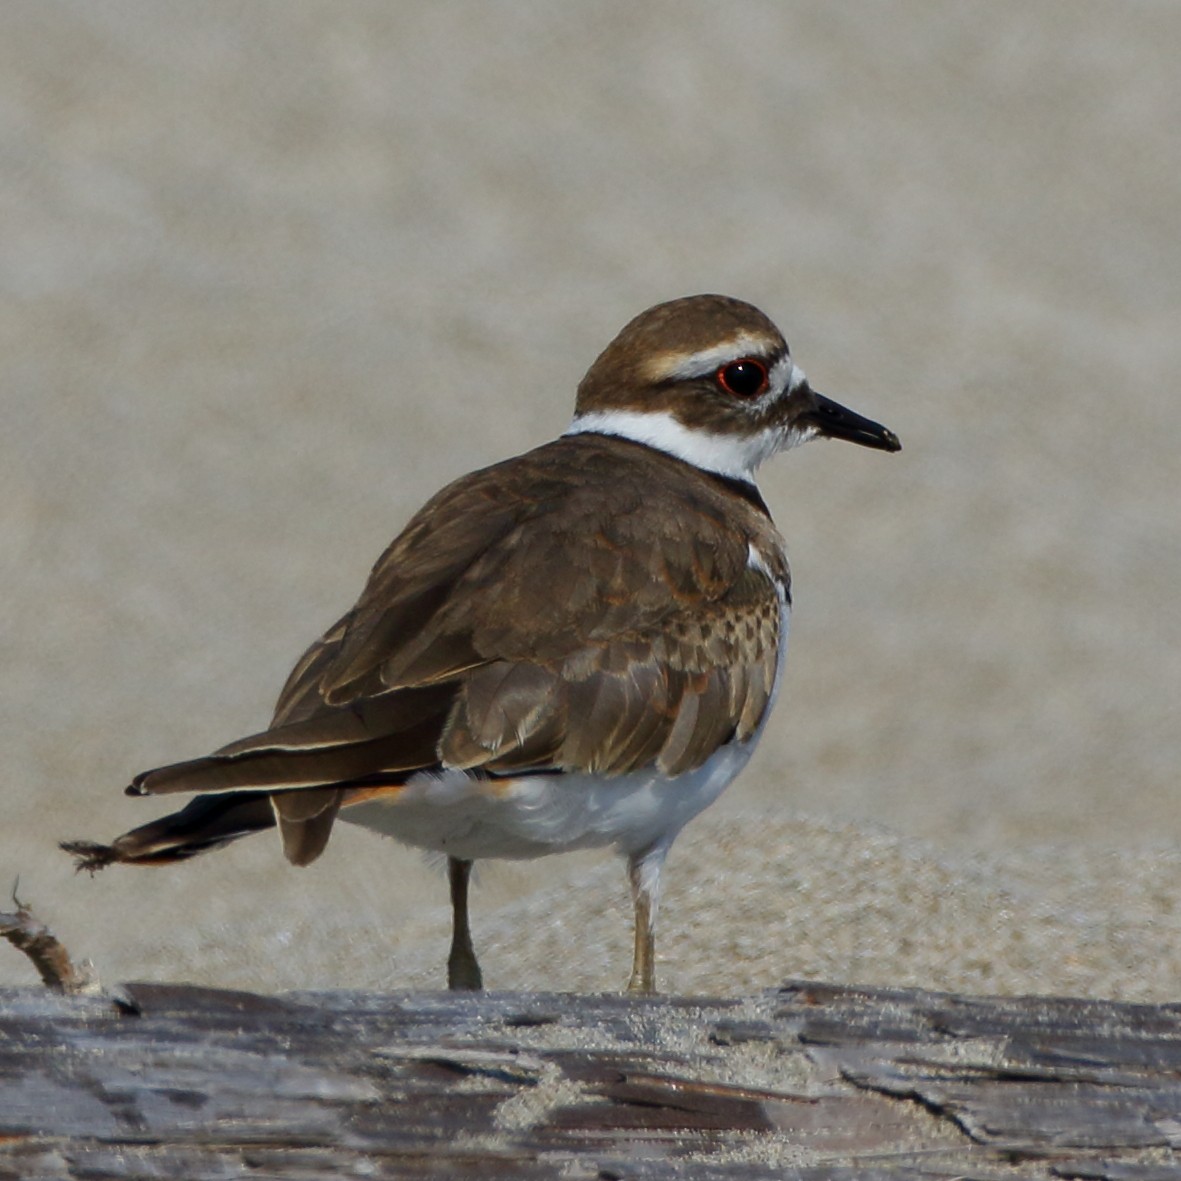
x: 677, y: 367
x: 786, y: 375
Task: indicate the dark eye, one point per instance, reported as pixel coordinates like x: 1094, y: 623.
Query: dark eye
x: 744, y: 379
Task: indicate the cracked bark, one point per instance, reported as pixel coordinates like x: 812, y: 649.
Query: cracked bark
x: 808, y: 1081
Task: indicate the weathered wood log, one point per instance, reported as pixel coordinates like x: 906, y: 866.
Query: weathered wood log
x: 28, y: 934
x: 810, y: 1081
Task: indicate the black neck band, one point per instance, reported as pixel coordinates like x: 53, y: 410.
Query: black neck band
x: 743, y: 488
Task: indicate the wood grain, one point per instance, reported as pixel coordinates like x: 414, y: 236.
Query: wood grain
x: 808, y: 1081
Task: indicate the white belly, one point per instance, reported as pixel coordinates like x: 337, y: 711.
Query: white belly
x: 538, y: 814
x: 535, y: 815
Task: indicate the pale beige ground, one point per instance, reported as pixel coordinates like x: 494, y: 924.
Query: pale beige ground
x: 272, y: 271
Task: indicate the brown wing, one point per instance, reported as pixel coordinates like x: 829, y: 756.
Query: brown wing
x: 665, y: 691
x: 544, y: 613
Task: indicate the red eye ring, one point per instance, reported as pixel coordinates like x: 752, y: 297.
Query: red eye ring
x: 744, y: 378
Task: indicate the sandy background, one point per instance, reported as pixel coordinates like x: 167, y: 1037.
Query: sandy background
x: 274, y: 271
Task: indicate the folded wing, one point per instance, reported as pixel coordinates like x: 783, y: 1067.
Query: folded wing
x: 500, y: 636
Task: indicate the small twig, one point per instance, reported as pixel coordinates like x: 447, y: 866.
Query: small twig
x: 27, y: 933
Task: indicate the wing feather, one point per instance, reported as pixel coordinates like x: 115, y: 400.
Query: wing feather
x: 556, y: 611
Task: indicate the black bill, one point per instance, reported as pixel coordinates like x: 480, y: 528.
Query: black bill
x: 836, y: 422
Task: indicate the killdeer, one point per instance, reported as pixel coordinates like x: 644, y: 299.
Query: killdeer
x: 574, y: 648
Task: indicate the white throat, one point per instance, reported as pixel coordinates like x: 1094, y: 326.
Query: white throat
x: 736, y: 456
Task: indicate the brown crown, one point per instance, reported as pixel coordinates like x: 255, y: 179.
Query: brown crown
x: 650, y: 346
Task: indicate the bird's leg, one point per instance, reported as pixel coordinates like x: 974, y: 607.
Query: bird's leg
x: 643, y: 871
x: 463, y: 970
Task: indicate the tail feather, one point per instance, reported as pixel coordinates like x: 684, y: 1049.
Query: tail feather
x: 207, y: 822
x: 305, y: 821
x: 285, y: 769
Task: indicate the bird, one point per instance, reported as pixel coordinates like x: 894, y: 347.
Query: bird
x: 577, y: 647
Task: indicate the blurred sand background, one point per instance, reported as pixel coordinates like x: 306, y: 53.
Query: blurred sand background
x: 273, y: 271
